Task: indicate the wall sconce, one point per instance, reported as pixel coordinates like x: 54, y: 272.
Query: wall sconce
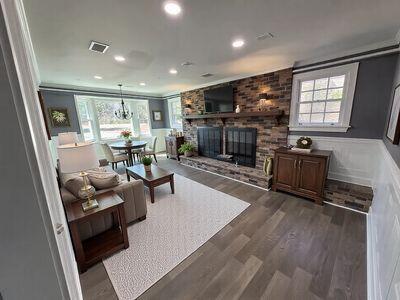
x: 188, y: 109
x: 265, y: 102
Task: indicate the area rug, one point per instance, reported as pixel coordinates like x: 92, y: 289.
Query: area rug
x: 176, y: 226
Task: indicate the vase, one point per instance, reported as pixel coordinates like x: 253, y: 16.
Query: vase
x: 237, y: 110
x: 147, y: 168
x: 188, y: 153
x: 128, y: 141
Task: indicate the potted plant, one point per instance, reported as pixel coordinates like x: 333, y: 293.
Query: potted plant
x: 146, y: 161
x: 186, y: 149
x: 127, y: 136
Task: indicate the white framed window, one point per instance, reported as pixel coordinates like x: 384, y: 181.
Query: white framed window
x: 175, y: 112
x: 322, y: 100
x: 98, y: 122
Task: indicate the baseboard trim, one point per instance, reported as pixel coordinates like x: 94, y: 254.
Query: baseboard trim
x: 348, y: 208
x: 253, y: 185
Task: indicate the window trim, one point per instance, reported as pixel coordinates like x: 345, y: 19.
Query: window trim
x: 170, y: 115
x: 350, y: 70
x: 95, y: 122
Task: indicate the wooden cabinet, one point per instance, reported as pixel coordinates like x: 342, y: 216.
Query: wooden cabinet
x: 172, y: 144
x: 303, y: 174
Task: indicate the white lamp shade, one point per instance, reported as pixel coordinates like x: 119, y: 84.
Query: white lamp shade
x: 77, y: 157
x: 65, y: 138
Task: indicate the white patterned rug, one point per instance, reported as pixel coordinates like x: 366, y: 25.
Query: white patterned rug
x: 175, y: 227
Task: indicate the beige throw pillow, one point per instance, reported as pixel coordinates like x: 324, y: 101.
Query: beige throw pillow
x: 74, y: 185
x: 103, y: 180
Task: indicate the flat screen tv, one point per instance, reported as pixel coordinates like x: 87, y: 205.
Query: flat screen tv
x: 218, y: 100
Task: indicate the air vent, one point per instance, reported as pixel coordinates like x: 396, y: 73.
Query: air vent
x: 98, y: 47
x: 187, y: 64
x: 264, y: 36
x: 207, y: 75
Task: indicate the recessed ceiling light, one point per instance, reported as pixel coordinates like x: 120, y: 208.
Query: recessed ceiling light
x: 142, y: 83
x: 119, y: 58
x: 238, y: 43
x: 172, y: 8
x: 173, y: 71
x: 97, y: 77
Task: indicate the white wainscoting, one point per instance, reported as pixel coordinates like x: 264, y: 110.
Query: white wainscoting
x: 383, y: 230
x: 353, y: 160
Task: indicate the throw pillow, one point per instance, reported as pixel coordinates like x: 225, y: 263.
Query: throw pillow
x: 103, y: 180
x: 74, y: 185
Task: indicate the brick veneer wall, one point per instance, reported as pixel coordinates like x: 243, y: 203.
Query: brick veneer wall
x: 270, y: 134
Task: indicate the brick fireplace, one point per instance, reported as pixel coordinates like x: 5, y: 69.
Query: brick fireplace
x: 271, y: 133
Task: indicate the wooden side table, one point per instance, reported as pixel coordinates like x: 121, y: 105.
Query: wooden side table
x: 92, y: 250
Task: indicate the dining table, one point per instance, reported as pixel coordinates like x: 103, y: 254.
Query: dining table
x: 128, y: 148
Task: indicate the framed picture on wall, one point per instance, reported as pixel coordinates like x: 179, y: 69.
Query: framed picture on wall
x: 59, y: 117
x: 157, y: 115
x: 393, y: 130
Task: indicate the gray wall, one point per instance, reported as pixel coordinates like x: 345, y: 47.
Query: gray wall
x: 26, y: 265
x: 61, y: 99
x: 158, y: 105
x: 66, y: 99
x: 371, y: 99
x: 394, y: 150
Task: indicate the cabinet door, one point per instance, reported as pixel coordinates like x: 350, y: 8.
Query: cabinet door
x: 285, y: 170
x: 310, y: 175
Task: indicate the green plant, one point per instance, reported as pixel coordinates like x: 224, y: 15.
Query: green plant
x: 186, y: 147
x: 58, y: 116
x: 304, y: 142
x: 147, y: 160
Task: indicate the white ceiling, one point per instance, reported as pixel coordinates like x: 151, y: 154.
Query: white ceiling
x: 153, y: 43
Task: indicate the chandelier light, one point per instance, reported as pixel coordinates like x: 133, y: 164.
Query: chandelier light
x: 123, y: 113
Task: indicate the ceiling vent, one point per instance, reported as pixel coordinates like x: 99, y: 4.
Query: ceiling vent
x: 98, y: 47
x: 265, y: 36
x: 187, y: 64
x: 205, y: 75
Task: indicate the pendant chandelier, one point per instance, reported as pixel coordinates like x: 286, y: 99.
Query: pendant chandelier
x: 123, y: 113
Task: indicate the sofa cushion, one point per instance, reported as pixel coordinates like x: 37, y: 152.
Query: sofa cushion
x: 103, y: 180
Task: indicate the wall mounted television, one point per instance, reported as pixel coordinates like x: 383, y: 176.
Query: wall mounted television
x: 219, y: 100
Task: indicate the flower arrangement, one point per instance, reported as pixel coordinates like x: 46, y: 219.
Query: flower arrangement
x: 126, y: 134
x: 304, y: 142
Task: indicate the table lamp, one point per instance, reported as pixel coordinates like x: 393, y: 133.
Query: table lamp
x: 79, y: 157
x: 65, y: 138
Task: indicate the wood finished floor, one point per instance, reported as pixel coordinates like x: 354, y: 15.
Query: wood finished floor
x: 280, y: 247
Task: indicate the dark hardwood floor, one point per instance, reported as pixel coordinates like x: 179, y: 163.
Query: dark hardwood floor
x: 280, y: 247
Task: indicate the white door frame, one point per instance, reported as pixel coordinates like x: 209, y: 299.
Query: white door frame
x: 36, y: 145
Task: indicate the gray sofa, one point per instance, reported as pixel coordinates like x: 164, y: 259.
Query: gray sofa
x: 131, y: 192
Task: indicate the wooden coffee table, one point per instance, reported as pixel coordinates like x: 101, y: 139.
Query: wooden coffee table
x: 156, y: 177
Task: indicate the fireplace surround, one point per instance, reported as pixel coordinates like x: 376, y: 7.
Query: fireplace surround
x: 270, y: 133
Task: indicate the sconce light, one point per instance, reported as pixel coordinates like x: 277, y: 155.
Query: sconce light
x: 187, y: 109
x: 264, y: 102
